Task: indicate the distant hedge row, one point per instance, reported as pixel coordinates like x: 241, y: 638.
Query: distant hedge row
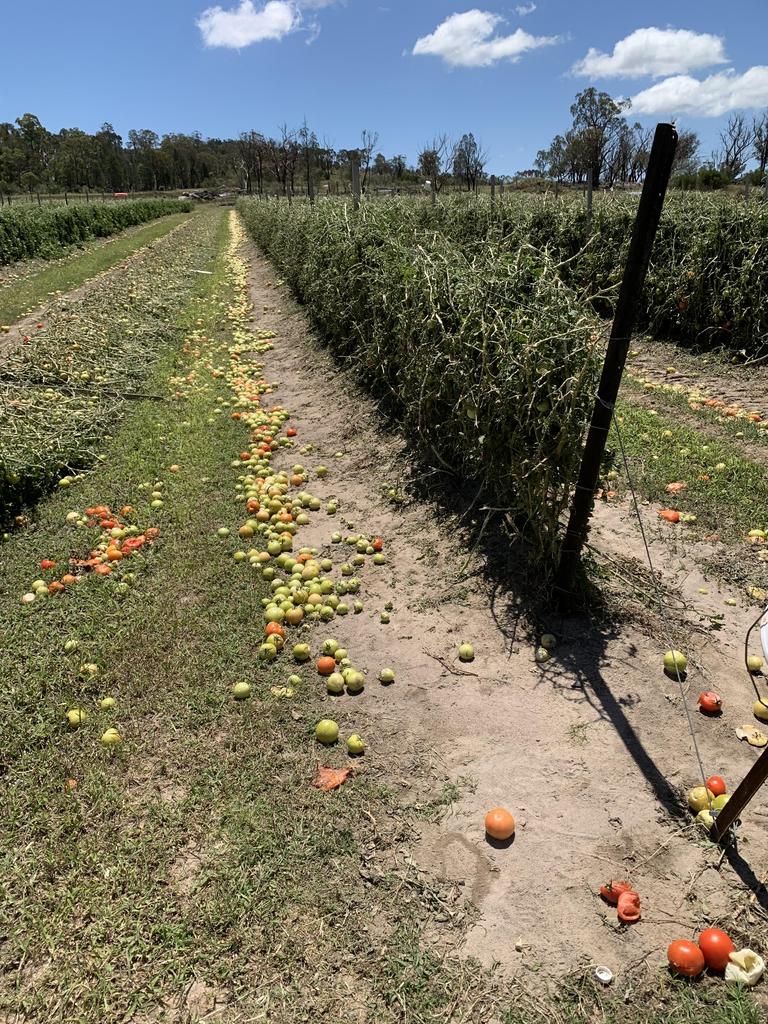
x: 708, y: 280
x: 47, y: 231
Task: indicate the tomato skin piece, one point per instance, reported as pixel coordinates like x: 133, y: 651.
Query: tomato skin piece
x: 686, y: 958
x: 716, y: 947
x: 629, y: 907
x: 716, y: 784
x: 612, y: 890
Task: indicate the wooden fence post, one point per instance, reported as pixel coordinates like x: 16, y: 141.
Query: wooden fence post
x: 493, y: 189
x: 740, y: 797
x: 356, y: 182
x: 589, y: 202
x: 638, y: 257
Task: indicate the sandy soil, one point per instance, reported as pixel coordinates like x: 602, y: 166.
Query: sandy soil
x: 591, y: 752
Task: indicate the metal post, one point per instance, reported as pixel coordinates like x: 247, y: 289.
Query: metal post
x: 740, y: 797
x: 589, y: 202
x: 643, y: 234
x: 433, y: 188
x: 501, y: 188
x: 356, y: 182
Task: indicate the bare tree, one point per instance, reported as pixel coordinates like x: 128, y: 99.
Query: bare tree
x: 736, y: 141
x: 370, y: 141
x: 687, y: 153
x: 251, y: 147
x: 468, y: 161
x: 433, y: 161
x: 760, y: 139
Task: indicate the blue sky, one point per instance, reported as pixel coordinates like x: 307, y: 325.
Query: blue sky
x: 406, y: 68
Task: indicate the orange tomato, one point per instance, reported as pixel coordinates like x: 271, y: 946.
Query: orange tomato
x: 326, y: 666
x: 670, y: 514
x: 47, y: 563
x: 378, y: 544
x: 103, y: 569
x: 274, y: 628
x: 499, y: 823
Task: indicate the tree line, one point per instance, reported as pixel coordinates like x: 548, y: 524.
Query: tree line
x: 34, y: 159
x: 601, y: 141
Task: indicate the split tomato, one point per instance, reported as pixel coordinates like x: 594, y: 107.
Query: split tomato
x: 629, y: 907
x: 611, y: 891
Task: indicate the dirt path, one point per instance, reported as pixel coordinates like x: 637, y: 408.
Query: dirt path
x: 589, y: 751
x: 744, y: 386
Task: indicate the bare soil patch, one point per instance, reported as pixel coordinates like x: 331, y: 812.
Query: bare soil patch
x: 590, y: 751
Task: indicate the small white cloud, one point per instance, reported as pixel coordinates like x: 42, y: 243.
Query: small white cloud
x: 468, y: 40
x: 653, y: 51
x: 248, y: 24
x: 523, y: 9
x: 708, y: 97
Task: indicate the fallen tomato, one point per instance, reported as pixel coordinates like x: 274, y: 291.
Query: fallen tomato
x: 710, y: 702
x: 613, y: 889
x: 716, y: 947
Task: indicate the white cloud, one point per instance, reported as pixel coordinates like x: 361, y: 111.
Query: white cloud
x: 523, y: 9
x: 708, y: 97
x: 653, y: 51
x: 467, y: 40
x: 247, y: 23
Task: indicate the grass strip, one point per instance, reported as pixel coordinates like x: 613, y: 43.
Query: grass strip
x: 22, y: 297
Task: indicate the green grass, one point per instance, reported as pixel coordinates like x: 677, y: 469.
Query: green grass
x: 19, y: 298
x: 199, y: 852
x: 731, y: 502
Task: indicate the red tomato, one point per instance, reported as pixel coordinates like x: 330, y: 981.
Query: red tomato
x: 716, y: 785
x: 716, y: 947
x: 47, y: 563
x: 686, y: 958
x: 710, y: 702
x: 611, y: 891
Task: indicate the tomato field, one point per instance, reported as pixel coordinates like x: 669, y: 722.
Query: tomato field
x: 290, y: 728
